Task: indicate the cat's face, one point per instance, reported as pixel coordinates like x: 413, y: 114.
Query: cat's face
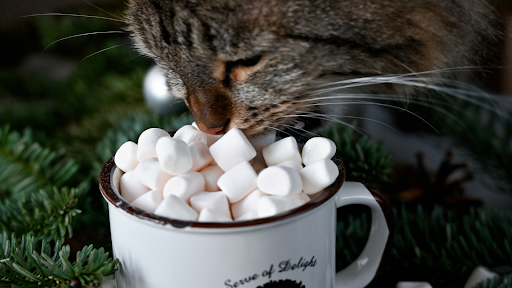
x: 256, y: 65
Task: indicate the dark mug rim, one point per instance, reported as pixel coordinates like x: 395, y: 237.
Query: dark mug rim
x: 106, y: 188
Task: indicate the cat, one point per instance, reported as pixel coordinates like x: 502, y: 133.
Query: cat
x: 260, y: 65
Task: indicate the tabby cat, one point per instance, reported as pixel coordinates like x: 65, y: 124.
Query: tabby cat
x: 261, y: 64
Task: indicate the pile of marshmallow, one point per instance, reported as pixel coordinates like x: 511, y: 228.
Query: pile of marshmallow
x: 194, y: 176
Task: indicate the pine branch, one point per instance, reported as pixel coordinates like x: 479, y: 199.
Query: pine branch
x: 365, y: 161
x: 26, y: 166
x: 42, y: 214
x: 21, y: 264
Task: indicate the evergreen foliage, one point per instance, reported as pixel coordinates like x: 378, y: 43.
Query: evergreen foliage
x: 30, y: 262
x: 41, y: 214
x: 26, y: 166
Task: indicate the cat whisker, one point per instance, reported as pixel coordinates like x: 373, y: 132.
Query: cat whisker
x: 327, y: 118
x: 83, y: 34
x: 74, y: 15
x: 103, y: 10
x: 332, y: 116
x: 293, y: 127
x: 435, y: 103
x: 461, y: 91
x: 102, y: 50
x: 279, y: 130
x: 375, y: 103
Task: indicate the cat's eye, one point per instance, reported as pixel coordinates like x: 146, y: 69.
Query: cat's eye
x: 239, y: 70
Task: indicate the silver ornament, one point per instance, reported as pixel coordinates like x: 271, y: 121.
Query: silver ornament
x: 156, y: 94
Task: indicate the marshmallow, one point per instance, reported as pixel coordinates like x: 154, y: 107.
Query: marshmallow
x: 216, y: 201
x: 174, y: 155
x: 263, y: 141
x: 189, y: 134
x: 148, y: 201
x: 280, y: 181
x: 175, y: 208
x: 232, y: 149
x: 318, y: 175
x: 126, y: 156
x: 272, y: 205
x: 208, y: 215
x: 291, y: 164
x: 247, y: 204
x: 200, y: 155
x: 150, y: 174
x: 183, y: 186
x: 211, y: 175
x: 479, y: 275
x: 283, y: 150
x: 238, y: 181
x: 210, y: 139
x: 318, y: 148
x: 129, y: 188
x: 147, y: 142
x: 248, y: 216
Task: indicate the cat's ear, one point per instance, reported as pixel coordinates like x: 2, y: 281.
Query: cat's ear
x: 238, y: 70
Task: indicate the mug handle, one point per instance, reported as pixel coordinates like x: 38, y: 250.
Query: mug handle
x: 361, y: 272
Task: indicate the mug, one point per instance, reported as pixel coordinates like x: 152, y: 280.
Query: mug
x: 295, y: 249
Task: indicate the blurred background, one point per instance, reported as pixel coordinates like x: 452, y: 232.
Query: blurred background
x: 75, y: 85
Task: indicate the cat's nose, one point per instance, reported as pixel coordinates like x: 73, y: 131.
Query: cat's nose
x: 212, y: 114
x: 215, y: 129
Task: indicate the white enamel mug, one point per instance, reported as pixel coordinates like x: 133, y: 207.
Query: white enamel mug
x: 295, y: 249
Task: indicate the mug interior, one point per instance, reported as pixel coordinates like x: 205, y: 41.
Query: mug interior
x: 110, y: 193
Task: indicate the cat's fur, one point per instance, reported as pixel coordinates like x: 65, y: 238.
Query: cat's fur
x: 252, y: 63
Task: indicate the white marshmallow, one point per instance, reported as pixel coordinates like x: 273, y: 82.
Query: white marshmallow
x: 263, y: 141
x: 150, y: 174
x: 175, y: 208
x: 211, y: 175
x: 248, y: 216
x: 184, y: 186
x: 174, y: 155
x: 216, y: 201
x: 318, y: 175
x: 317, y: 148
x: 238, y: 181
x: 478, y: 275
x: 279, y: 181
x: 291, y: 164
x: 126, y: 156
x: 148, y: 201
x: 208, y: 215
x: 200, y: 155
x: 129, y: 188
x: 210, y: 139
x: 189, y: 134
x: 272, y: 205
x: 283, y: 150
x: 147, y: 142
x: 247, y: 204
x: 232, y: 149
